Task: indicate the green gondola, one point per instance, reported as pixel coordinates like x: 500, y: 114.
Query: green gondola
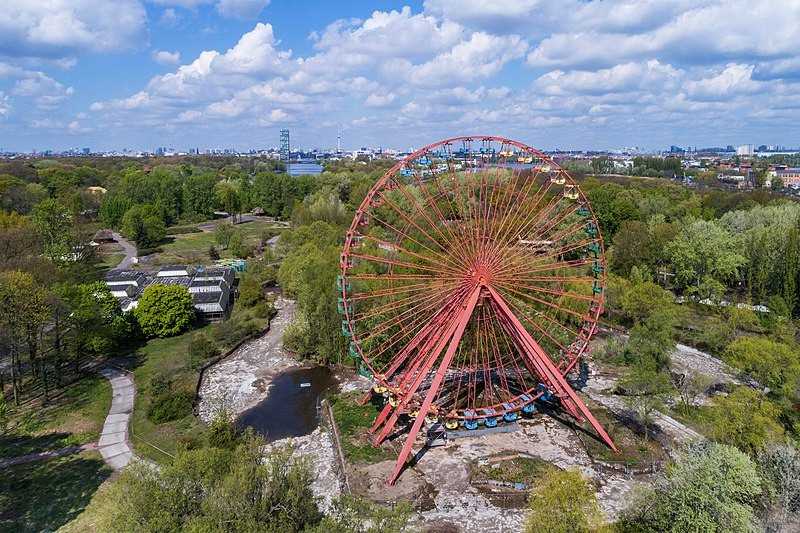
x: 341, y: 305
x: 346, y: 329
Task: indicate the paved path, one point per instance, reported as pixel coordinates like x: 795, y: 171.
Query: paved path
x: 114, y: 445
x: 130, y: 252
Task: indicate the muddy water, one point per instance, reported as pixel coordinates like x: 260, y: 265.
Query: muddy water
x: 291, y: 408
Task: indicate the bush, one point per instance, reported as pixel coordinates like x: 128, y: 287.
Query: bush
x: 563, y: 502
x: 250, y: 291
x: 164, y: 310
x: 170, y: 406
x: 745, y: 419
x: 265, y: 310
x: 213, y: 254
x: 711, y: 487
x: 222, y: 432
x: 201, y: 348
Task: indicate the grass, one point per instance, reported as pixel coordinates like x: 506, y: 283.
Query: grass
x: 169, y: 358
x: 73, y: 417
x: 633, y: 448
x: 526, y: 470
x: 193, y: 248
x: 353, y: 420
x: 44, y: 495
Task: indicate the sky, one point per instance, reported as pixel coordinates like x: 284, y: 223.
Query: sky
x: 570, y: 74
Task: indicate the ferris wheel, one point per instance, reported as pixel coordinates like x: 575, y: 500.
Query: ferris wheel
x: 472, y: 279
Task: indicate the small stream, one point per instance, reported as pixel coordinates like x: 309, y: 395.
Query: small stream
x: 291, y: 408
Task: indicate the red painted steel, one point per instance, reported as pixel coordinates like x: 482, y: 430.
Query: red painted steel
x: 461, y: 276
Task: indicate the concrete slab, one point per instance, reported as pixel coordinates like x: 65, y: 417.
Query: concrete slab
x: 112, y: 438
x: 114, y: 449
x: 120, y: 417
x: 114, y: 427
x: 120, y: 461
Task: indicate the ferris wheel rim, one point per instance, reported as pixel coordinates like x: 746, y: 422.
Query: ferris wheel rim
x: 382, y: 184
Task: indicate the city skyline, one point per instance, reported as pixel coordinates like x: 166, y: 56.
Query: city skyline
x: 232, y: 73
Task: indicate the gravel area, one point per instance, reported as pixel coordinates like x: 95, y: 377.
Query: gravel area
x: 242, y: 379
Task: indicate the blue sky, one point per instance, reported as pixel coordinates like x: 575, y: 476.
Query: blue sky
x: 232, y: 73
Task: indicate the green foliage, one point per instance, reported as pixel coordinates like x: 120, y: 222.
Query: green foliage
x: 250, y: 291
x: 780, y: 467
x: 357, y: 515
x: 563, y: 502
x: 113, y: 209
x: 646, y: 391
x: 164, y: 310
x: 704, y: 253
x: 745, y: 419
x: 53, y: 222
x: 223, y: 234
x: 237, y: 247
x: 215, y: 489
x: 144, y: 225
x: 710, y: 488
x: 170, y: 406
x: 644, y: 298
x: 97, y: 322
x: 308, y: 273
x: 201, y: 348
x: 652, y: 340
x: 222, y: 432
x: 771, y: 363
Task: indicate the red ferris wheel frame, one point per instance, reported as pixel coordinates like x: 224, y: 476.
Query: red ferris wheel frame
x: 479, y: 281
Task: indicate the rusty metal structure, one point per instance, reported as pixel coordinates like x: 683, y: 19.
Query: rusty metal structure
x: 472, y: 279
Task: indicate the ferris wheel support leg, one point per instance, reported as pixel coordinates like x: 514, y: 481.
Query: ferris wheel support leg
x: 553, y: 375
x: 423, y: 363
x: 463, y: 319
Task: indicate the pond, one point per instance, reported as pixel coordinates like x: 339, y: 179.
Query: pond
x: 291, y: 408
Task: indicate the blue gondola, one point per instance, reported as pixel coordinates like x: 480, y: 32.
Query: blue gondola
x: 546, y: 394
x: 407, y: 172
x: 510, y: 417
x: 491, y: 422
x: 471, y: 424
x: 529, y: 408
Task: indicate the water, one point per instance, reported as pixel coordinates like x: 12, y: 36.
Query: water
x: 291, y: 407
x: 299, y: 169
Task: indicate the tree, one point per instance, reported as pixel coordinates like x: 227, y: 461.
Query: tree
x: 646, y: 390
x: 53, y: 221
x: 563, y: 501
x: 602, y: 165
x: 23, y: 312
x: 223, y: 234
x: 227, y: 197
x: 691, y: 386
x: 745, y: 419
x: 780, y: 466
x: 650, y: 342
x: 164, y: 310
x: 357, y: 515
x: 771, y: 363
x: 215, y: 489
x: 143, y: 224
x: 703, y: 252
x: 710, y: 487
x: 643, y: 298
x: 198, y: 195
x: 237, y: 246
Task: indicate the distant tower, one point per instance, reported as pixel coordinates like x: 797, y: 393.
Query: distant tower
x: 285, y: 150
x: 339, y: 139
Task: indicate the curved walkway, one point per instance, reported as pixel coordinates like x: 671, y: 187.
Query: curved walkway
x: 114, y: 445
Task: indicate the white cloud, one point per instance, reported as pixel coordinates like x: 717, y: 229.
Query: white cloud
x: 481, y: 56
x: 651, y: 75
x: 243, y: 9
x: 60, y: 28
x: 762, y: 29
x: 5, y: 105
x: 166, y: 58
x: 732, y: 81
x: 379, y: 100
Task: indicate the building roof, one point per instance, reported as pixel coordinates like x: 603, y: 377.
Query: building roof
x: 125, y: 275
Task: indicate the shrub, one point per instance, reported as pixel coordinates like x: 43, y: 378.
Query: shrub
x: 170, y: 406
x: 265, y: 310
x: 201, y: 348
x: 745, y: 419
x: 213, y: 254
x: 164, y: 310
x: 563, y: 502
x: 222, y: 432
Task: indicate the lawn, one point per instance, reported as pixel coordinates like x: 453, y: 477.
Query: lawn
x: 74, y: 416
x: 44, y: 495
x: 192, y: 248
x: 353, y: 421
x: 169, y: 358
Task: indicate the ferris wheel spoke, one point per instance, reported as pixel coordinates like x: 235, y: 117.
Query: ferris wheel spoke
x: 395, y: 262
x: 410, y: 221
x: 544, y: 302
x: 405, y: 235
x: 391, y: 247
x: 543, y: 331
